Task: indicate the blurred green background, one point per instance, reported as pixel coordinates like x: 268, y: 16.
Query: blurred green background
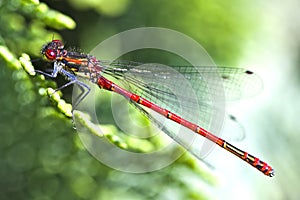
x: 41, y: 154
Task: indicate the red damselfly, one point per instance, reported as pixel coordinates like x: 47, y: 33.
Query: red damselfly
x: 72, y: 64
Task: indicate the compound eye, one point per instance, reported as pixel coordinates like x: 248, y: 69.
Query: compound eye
x: 58, y: 43
x: 50, y: 54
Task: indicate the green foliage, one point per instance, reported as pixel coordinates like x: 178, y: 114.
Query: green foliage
x: 221, y: 27
x: 41, y: 157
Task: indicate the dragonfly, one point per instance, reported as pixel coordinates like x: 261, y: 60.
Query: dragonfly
x: 74, y: 65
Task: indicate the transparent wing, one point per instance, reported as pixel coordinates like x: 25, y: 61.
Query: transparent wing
x: 237, y: 83
x: 195, y: 93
